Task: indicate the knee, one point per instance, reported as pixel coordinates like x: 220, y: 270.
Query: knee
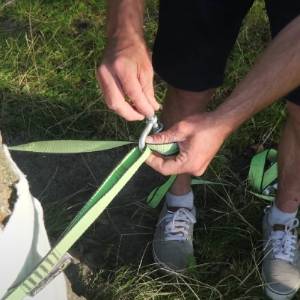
x: 204, y: 96
x: 188, y: 102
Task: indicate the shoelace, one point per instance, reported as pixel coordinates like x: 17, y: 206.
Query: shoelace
x: 177, y: 224
x: 283, y: 242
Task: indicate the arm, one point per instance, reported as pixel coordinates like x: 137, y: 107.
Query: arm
x: 125, y: 19
x: 200, y: 136
x: 126, y: 68
x: 275, y: 74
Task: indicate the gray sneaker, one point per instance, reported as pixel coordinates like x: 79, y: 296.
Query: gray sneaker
x: 173, y: 239
x: 280, y: 268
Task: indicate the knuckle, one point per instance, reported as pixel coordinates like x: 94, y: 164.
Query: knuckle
x: 101, y: 70
x: 164, y: 172
x: 112, y: 105
x: 148, y: 90
x: 118, y: 65
x: 191, y: 167
x: 147, y: 71
x: 132, y: 94
x: 197, y: 173
x: 162, y: 138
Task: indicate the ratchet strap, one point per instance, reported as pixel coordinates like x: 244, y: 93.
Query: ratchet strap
x: 57, y: 258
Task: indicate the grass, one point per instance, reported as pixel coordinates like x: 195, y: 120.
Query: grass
x: 49, y: 51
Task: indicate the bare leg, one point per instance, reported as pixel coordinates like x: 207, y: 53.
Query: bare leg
x: 173, y: 237
x: 288, y: 197
x: 280, y: 267
x: 179, y: 104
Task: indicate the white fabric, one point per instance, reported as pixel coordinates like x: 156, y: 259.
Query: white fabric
x: 24, y: 242
x: 177, y: 224
x: 277, y: 216
x: 186, y: 201
x: 284, y: 242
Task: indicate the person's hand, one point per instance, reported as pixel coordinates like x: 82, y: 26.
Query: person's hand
x: 126, y: 70
x: 199, y: 138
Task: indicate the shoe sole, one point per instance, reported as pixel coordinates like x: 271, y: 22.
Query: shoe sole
x: 165, y: 269
x: 277, y: 296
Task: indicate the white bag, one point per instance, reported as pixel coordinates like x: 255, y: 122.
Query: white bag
x: 24, y: 242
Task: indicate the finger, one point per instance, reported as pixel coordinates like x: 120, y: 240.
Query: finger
x: 114, y: 95
x: 167, y: 165
x: 164, y: 137
x: 133, y: 90
x: 146, y: 81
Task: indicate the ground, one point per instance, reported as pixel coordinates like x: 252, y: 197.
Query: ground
x: 70, y: 104
x: 122, y: 234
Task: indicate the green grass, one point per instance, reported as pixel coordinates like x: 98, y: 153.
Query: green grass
x: 49, y: 52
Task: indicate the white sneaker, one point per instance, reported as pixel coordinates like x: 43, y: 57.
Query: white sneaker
x: 173, y: 239
x: 280, y: 268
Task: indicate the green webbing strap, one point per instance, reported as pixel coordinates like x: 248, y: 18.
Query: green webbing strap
x: 258, y: 177
x: 99, y: 201
x: 69, y: 146
x: 94, y: 207
x: 263, y: 172
x: 159, y: 192
x: 78, y: 146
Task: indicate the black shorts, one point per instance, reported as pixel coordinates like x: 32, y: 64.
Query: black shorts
x: 195, y: 38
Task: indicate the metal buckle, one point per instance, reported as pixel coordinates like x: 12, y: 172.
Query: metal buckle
x: 64, y: 262
x: 270, y: 189
x: 151, y: 124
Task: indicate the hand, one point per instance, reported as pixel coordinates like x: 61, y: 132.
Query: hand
x: 126, y: 69
x: 199, y: 138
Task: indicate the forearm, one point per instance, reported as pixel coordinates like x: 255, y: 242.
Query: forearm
x: 275, y: 74
x: 125, y: 18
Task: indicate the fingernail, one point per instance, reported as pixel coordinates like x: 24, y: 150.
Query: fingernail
x: 149, y: 139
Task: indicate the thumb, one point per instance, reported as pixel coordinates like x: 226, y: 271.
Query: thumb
x: 164, y: 137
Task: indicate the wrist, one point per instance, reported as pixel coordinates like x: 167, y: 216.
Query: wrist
x: 225, y: 123
x: 124, y: 37
x: 125, y: 19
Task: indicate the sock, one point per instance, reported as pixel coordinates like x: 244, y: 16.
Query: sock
x: 180, y: 201
x: 277, y: 216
